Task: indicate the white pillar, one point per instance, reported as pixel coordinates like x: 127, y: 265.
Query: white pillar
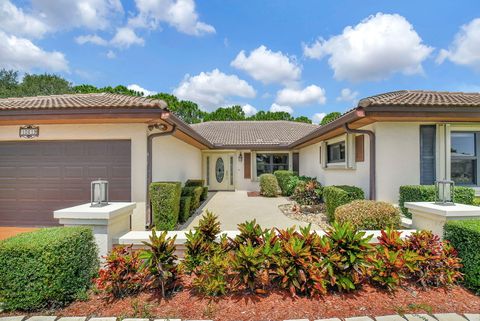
x: 108, y: 222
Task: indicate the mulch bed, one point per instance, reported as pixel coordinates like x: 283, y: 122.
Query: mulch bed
x: 314, y: 214
x: 254, y: 194
x: 278, y: 305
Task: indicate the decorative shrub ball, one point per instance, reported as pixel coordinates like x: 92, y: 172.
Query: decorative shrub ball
x: 368, y: 215
x: 269, y: 185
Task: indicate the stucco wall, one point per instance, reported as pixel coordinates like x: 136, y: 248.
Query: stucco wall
x: 175, y: 160
x: 136, y: 133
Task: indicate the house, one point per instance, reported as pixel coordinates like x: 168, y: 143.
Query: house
x: 52, y: 147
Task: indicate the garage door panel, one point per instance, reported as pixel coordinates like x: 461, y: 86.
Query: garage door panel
x: 37, y: 178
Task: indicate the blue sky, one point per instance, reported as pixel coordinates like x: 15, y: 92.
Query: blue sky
x: 305, y: 57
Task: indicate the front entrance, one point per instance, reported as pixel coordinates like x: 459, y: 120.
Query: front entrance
x: 218, y: 171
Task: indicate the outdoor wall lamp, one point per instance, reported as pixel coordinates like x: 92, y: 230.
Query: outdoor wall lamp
x: 99, y: 193
x: 444, y: 191
x: 240, y: 157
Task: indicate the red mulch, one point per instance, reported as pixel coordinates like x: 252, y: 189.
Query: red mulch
x: 279, y: 305
x: 253, y: 194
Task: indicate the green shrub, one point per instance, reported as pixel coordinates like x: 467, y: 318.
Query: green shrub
x: 204, y: 193
x: 269, y: 185
x: 368, y: 215
x: 47, y: 268
x: 308, y: 193
x: 165, y: 201
x: 465, y: 238
x: 334, y: 196
x: 195, y: 182
x: 426, y: 193
x: 195, y: 192
x: 283, y: 178
x: 185, y: 205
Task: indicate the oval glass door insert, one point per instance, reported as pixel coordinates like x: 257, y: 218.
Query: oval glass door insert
x: 219, y: 169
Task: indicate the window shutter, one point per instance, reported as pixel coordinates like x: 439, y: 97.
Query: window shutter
x: 360, y: 148
x: 427, y: 154
x: 320, y: 155
x: 247, y: 165
x: 296, y: 163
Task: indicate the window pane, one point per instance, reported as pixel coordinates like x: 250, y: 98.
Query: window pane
x: 463, y: 144
x: 336, y: 153
x: 269, y: 163
x: 464, y: 171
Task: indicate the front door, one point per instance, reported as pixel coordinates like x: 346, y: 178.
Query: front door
x: 219, y: 171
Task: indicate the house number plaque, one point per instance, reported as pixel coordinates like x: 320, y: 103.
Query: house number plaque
x: 29, y: 131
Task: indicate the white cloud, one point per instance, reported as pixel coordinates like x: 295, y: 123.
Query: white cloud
x: 347, y: 95
x: 91, y: 14
x: 15, y: 21
x: 126, y: 37
x: 180, y: 14
x: 249, y: 110
x: 465, y: 49
x: 211, y: 89
x: 145, y: 92
x: 268, y: 66
x: 21, y: 54
x: 276, y: 107
x: 295, y: 97
x: 111, y: 54
x: 317, y: 117
x: 94, y: 39
x: 373, y: 49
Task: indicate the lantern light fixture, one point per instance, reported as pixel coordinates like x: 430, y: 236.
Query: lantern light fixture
x: 99, y: 193
x: 240, y: 157
x: 444, y: 192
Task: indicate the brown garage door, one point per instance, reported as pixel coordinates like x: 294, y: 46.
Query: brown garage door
x: 39, y: 177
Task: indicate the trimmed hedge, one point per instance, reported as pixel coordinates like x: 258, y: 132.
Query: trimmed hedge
x: 165, y: 201
x: 195, y: 182
x: 335, y: 196
x: 368, y: 215
x: 426, y: 193
x: 47, y: 268
x: 269, y: 185
x: 185, y: 208
x: 465, y: 237
x: 283, y: 179
x: 204, y: 193
x: 196, y: 193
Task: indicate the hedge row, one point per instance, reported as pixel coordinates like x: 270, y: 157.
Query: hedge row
x: 283, y: 178
x: 195, y: 192
x: 426, y: 193
x: 335, y: 196
x: 47, y: 268
x: 465, y: 238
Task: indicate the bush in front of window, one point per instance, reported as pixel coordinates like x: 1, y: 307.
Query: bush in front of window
x: 335, y: 196
x: 284, y: 178
x: 269, y: 185
x: 426, y: 193
x: 465, y: 238
x: 48, y: 268
x: 368, y: 215
x: 165, y: 202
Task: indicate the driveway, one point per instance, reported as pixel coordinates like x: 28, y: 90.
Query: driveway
x: 233, y: 208
x: 9, y: 231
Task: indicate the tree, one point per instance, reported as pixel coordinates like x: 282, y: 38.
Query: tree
x: 188, y: 111
x: 45, y: 84
x: 268, y: 115
x: 120, y: 89
x: 8, y: 83
x: 226, y: 113
x: 303, y: 119
x: 330, y: 117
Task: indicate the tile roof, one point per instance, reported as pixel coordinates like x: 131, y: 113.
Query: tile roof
x: 422, y: 98
x: 76, y: 101
x: 253, y: 133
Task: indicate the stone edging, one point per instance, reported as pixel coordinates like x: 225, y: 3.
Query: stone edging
x: 406, y: 317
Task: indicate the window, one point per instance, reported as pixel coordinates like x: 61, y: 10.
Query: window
x: 464, y: 154
x: 336, y: 152
x: 269, y: 163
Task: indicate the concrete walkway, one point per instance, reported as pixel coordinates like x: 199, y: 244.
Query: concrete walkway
x: 234, y: 208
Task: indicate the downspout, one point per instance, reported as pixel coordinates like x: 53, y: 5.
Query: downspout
x: 149, y: 170
x: 371, y: 137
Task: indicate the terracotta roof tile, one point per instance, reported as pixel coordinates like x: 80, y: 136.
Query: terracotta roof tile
x: 255, y: 133
x: 423, y: 98
x: 96, y: 100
